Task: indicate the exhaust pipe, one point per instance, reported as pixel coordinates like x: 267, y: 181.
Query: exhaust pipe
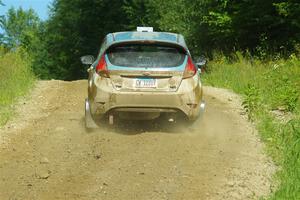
x: 202, y: 108
x: 171, y: 120
x: 111, y: 120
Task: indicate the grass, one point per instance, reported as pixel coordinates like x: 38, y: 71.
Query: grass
x: 268, y: 87
x: 16, y: 78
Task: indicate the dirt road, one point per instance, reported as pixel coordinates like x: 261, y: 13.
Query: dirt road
x: 46, y: 153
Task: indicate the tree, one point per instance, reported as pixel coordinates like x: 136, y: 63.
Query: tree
x: 268, y: 26
x: 205, y: 24
x: 23, y: 29
x: 1, y: 16
x: 1, y: 24
x: 77, y: 28
x: 20, y: 28
x: 141, y: 13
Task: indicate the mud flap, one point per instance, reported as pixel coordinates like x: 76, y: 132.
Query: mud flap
x: 89, y: 121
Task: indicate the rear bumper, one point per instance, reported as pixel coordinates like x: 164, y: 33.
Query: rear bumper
x: 104, y: 98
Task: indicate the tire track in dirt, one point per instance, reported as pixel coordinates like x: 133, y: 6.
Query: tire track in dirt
x: 46, y: 153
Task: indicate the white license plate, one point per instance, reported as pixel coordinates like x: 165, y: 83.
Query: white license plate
x: 145, y: 83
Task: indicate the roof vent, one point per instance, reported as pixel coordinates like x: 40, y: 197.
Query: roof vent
x: 144, y: 29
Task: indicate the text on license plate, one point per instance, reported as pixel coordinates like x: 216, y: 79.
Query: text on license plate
x: 145, y: 83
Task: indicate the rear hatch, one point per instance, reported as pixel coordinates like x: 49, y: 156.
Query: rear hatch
x: 146, y: 67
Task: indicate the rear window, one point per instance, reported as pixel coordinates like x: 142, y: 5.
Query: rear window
x: 145, y: 55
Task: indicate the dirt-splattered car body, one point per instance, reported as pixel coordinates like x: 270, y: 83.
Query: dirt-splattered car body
x: 143, y: 75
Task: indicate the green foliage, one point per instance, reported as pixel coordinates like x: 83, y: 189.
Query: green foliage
x: 1, y: 22
x: 268, y: 87
x: 251, y: 100
x: 16, y: 78
x: 76, y: 28
x: 285, y: 94
x: 20, y: 28
x: 23, y: 29
x: 280, y: 79
x: 139, y: 13
x: 263, y: 27
x: 287, y: 141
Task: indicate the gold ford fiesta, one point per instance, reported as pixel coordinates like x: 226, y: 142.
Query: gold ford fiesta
x: 143, y: 75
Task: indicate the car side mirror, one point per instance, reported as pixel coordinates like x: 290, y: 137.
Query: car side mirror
x: 87, y: 60
x: 201, y: 61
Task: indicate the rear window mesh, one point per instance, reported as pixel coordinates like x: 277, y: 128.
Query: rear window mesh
x: 145, y: 55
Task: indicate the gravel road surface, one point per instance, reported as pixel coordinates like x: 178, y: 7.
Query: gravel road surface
x: 46, y: 153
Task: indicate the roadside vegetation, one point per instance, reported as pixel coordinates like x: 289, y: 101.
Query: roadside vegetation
x: 16, y: 78
x: 271, y: 97
x: 20, y: 45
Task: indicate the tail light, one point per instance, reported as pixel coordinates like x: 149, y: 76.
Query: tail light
x: 101, y: 68
x: 190, y: 69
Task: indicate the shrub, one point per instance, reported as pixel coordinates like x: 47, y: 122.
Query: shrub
x: 266, y: 86
x: 16, y: 77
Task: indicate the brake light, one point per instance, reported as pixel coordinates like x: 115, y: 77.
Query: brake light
x: 190, y: 69
x: 101, y: 68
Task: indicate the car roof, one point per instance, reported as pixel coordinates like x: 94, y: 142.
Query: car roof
x: 164, y: 37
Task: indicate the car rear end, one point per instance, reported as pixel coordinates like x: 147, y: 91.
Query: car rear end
x: 144, y: 79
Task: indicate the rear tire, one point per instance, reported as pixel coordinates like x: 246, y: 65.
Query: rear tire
x: 89, y: 121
